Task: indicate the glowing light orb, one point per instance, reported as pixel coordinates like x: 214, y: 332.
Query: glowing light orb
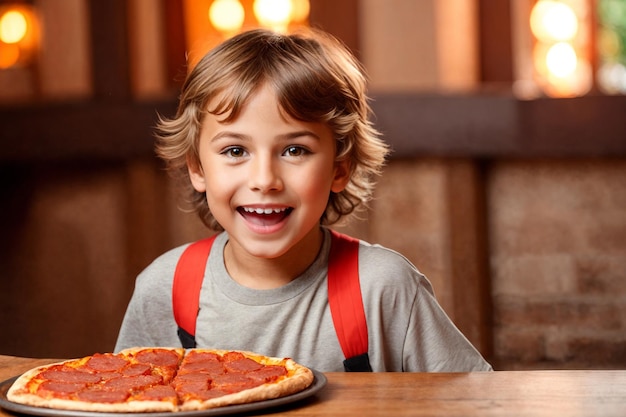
x: 273, y: 13
x: 561, y: 59
x: 553, y: 21
x: 13, y: 27
x: 226, y: 15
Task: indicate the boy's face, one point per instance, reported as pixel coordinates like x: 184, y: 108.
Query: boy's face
x: 268, y: 177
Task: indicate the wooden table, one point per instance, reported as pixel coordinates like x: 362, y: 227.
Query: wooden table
x: 500, y: 393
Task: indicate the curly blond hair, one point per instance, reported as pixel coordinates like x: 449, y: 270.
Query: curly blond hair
x: 315, y: 78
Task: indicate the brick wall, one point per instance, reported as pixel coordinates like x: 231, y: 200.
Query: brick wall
x: 558, y: 263
x: 556, y: 253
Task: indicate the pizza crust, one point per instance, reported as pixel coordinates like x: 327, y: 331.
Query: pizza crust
x: 17, y: 392
x: 76, y: 405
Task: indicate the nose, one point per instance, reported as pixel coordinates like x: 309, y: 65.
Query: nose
x: 264, y: 174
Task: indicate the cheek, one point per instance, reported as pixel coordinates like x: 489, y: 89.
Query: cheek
x: 314, y: 188
x: 219, y: 185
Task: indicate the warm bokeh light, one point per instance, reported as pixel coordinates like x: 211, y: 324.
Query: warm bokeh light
x: 209, y: 22
x: 13, y: 26
x: 561, y: 47
x: 576, y: 83
x: 274, y: 14
x: 9, y: 55
x: 19, y: 35
x: 300, y: 10
x: 553, y: 21
x: 227, y: 15
x: 560, y: 72
x: 561, y: 59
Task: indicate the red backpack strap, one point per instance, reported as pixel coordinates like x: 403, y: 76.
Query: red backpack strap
x: 346, y: 302
x: 344, y: 296
x: 188, y: 279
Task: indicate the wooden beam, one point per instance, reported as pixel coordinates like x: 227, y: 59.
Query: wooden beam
x: 492, y: 126
x: 495, y: 40
x: 469, y: 252
x: 109, y: 41
x: 476, y: 126
x: 339, y: 18
x: 80, y: 130
x: 175, y: 43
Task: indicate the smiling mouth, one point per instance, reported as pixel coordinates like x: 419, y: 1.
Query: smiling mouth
x: 264, y: 216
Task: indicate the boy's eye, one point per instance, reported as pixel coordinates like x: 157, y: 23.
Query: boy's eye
x: 295, y: 151
x: 234, y: 152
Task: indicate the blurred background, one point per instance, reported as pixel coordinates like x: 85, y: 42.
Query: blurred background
x: 506, y: 186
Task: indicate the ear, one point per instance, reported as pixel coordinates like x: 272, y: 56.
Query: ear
x: 342, y: 176
x: 196, y: 175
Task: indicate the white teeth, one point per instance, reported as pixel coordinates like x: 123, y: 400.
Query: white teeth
x: 263, y: 211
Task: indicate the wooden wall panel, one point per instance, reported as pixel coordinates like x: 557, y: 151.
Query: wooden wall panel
x: 146, y: 25
x: 65, y: 62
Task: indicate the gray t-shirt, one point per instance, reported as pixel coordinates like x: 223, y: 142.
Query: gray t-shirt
x: 408, y: 330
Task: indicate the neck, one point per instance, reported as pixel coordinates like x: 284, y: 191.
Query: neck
x: 268, y: 273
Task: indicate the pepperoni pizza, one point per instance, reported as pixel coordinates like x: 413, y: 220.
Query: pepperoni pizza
x: 158, y: 380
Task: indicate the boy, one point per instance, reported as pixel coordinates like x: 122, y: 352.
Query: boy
x: 272, y: 141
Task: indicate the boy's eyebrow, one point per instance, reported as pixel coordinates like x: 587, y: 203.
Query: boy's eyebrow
x: 244, y: 137
x: 299, y: 133
x: 229, y: 134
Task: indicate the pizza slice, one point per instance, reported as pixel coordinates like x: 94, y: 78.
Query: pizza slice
x: 216, y: 378
x: 101, y: 382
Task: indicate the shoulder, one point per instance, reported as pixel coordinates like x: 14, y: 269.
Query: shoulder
x: 387, y: 267
x: 374, y: 253
x: 163, y: 266
x: 157, y: 278
x: 161, y: 270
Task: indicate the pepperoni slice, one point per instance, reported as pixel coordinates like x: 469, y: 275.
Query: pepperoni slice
x: 197, y: 380
x: 209, y: 367
x: 233, y: 382
x: 202, y: 394
x: 195, y: 356
x: 137, y: 369
x: 106, y: 362
x: 102, y: 396
x: 242, y: 365
x: 67, y: 374
x: 190, y: 387
x: 129, y: 383
x: 105, y: 376
x: 59, y: 389
x: 159, y: 393
x: 232, y: 356
x: 157, y: 357
x: 268, y: 373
